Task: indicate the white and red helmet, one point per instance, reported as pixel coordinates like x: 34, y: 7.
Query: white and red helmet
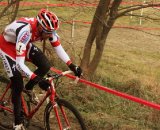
x: 48, y: 20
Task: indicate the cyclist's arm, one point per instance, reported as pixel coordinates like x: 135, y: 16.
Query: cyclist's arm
x: 23, y: 39
x: 59, y: 49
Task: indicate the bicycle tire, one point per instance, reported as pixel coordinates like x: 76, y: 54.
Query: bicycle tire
x: 6, y: 118
x: 71, y: 112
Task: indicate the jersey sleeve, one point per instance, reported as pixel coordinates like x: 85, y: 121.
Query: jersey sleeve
x: 55, y: 42
x: 23, y: 39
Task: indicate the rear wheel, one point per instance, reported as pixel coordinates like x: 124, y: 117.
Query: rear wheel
x: 6, y: 117
x: 73, y: 116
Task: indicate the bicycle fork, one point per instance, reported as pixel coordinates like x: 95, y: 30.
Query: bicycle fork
x: 55, y: 107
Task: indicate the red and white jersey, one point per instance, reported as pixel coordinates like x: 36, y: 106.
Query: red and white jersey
x: 22, y: 33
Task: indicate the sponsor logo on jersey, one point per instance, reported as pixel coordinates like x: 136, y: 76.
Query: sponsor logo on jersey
x: 20, y: 49
x: 24, y: 37
x: 10, y: 30
x: 5, y: 63
x: 22, y: 71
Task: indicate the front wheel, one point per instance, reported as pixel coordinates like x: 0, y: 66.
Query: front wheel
x: 70, y: 118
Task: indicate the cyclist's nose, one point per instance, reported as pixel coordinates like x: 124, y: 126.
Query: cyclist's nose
x: 46, y: 35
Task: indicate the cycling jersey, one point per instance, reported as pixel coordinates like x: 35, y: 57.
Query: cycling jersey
x: 16, y: 41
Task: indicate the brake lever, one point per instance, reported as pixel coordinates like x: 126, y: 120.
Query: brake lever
x: 55, y: 76
x: 76, y: 80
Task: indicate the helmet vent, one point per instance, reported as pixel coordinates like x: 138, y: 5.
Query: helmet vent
x: 43, y: 16
x: 52, y: 24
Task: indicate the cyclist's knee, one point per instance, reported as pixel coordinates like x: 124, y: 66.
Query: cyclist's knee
x: 46, y: 68
x: 42, y: 70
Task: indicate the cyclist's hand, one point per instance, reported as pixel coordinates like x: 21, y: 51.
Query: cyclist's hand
x: 44, y: 84
x: 76, y: 69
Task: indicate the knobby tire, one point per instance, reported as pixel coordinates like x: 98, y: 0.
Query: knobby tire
x: 74, y: 117
x: 6, y: 118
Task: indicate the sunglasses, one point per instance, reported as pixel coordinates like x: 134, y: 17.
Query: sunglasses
x: 47, y: 32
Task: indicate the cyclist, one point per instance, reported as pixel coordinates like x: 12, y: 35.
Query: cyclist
x: 16, y: 47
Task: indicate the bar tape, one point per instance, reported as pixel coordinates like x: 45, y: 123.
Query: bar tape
x: 114, y: 92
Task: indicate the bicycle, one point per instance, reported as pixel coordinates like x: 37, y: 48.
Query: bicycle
x: 58, y: 113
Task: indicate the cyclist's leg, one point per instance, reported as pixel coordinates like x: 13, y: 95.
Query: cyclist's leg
x: 17, y: 84
x: 17, y: 87
x: 40, y: 60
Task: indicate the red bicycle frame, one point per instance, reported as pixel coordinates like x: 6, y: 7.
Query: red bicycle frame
x: 51, y: 93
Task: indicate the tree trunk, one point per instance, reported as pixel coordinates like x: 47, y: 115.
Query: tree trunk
x: 103, y: 21
x: 97, y: 23
x: 14, y: 6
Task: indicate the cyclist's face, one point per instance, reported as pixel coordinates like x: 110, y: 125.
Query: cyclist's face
x: 44, y: 35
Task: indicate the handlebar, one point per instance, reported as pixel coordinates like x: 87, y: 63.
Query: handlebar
x: 67, y: 72
x: 56, y: 76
